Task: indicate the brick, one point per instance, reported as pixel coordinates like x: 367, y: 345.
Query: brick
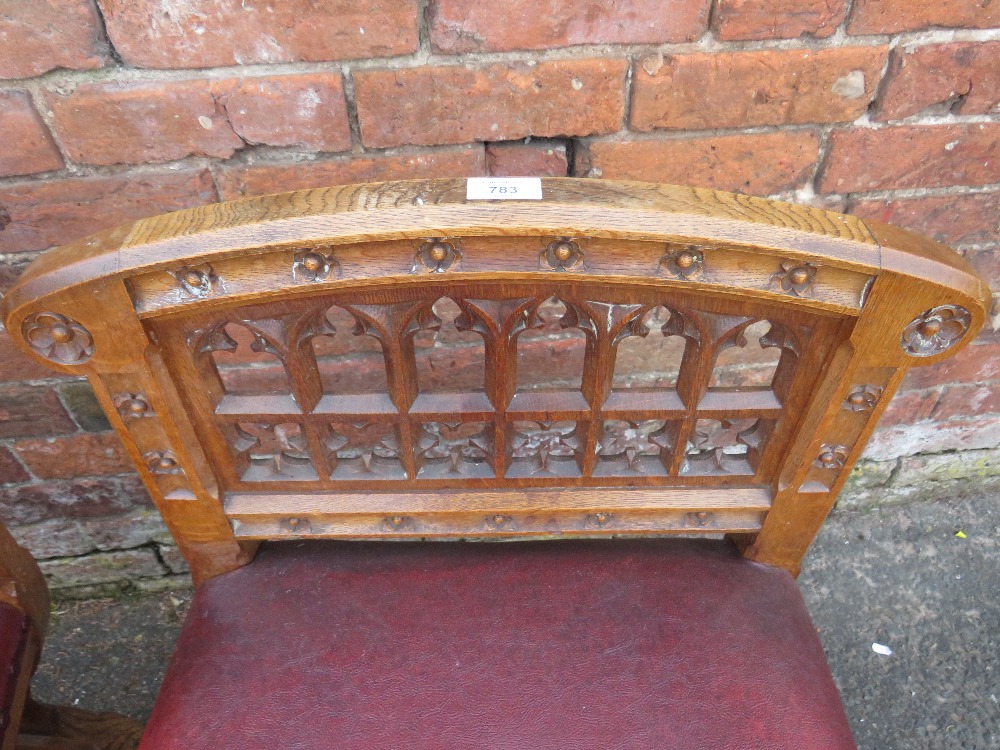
x: 934, y: 437
x: 79, y: 498
x: 217, y: 33
x: 777, y: 19
x: 28, y: 146
x: 536, y: 159
x: 135, y: 123
x: 939, y: 79
x: 262, y: 179
x: 976, y: 363
x: 11, y: 470
x: 968, y: 400
x: 173, y: 559
x: 755, y: 164
x: 965, y: 219
x: 63, y: 537
x: 31, y: 411
x: 101, y: 568
x: 11, y: 268
x: 74, y: 456
x: 43, y: 214
x: 987, y: 263
x: 83, y: 406
x: 456, y: 104
x: 911, y: 156
x: 16, y: 366
x: 892, y: 16
x: 458, y: 26
x: 908, y: 407
x: 764, y: 87
x: 39, y: 35
x: 308, y: 111
x: 971, y: 464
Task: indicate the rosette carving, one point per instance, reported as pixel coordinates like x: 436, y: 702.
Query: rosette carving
x: 937, y: 330
x: 58, y: 338
x: 687, y: 263
x: 561, y: 255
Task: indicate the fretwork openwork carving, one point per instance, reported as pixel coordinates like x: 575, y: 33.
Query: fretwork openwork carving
x: 540, y: 386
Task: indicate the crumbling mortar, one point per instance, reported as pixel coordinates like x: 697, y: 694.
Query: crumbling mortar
x: 706, y: 43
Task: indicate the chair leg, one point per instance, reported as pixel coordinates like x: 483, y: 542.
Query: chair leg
x: 67, y: 728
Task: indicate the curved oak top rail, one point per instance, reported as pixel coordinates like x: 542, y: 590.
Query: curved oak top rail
x: 140, y: 309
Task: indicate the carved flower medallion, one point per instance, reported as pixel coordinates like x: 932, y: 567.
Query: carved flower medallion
x: 796, y: 279
x: 935, y: 331
x: 133, y: 405
x: 863, y: 397
x: 687, y: 263
x: 198, y: 281
x: 311, y: 265
x: 561, y: 255
x: 831, y: 457
x: 436, y: 256
x: 58, y: 338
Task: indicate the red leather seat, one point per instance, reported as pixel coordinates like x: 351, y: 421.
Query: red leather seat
x: 654, y: 644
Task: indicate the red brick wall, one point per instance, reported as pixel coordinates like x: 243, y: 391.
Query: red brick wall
x: 116, y: 109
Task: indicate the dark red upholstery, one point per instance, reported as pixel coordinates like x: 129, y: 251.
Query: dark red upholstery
x: 532, y: 646
x: 13, y: 639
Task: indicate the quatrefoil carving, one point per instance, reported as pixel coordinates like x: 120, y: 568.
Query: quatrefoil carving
x: 687, y: 263
x: 162, y: 462
x: 58, y: 338
x: 794, y: 278
x: 312, y: 265
x: 561, y: 255
x: 198, y: 281
x: 936, y: 330
x: 133, y: 406
x: 863, y: 397
x: 831, y: 457
x: 437, y: 256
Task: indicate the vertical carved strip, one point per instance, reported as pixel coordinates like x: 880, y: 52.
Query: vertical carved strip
x: 599, y: 369
x: 692, y: 380
x: 500, y: 319
x: 301, y: 361
x: 386, y: 323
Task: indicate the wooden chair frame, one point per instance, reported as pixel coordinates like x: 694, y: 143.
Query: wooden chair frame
x: 139, y: 309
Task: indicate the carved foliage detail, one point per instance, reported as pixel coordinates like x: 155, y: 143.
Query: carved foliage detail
x: 437, y: 256
x: 498, y: 522
x: 362, y: 450
x: 863, y: 397
x: 455, y: 449
x: 133, y: 406
x: 936, y: 330
x: 795, y: 278
x: 162, y: 462
x: 721, y: 446
x: 561, y: 255
x: 311, y: 265
x: 198, y: 281
x: 633, y: 447
x: 276, y: 451
x: 599, y: 520
x: 545, y: 447
x: 700, y: 519
x: 831, y: 457
x: 58, y: 338
x: 687, y: 263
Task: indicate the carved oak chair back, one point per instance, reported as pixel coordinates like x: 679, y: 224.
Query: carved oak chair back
x: 265, y: 361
